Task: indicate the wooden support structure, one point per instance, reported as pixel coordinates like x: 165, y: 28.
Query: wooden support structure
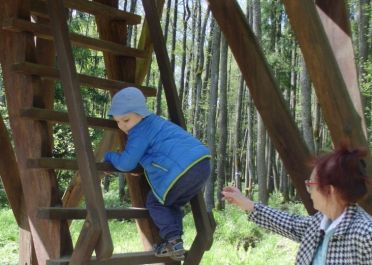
x: 344, y: 118
x: 50, y: 238
x: 261, y: 83
x: 51, y: 73
x: 96, y: 226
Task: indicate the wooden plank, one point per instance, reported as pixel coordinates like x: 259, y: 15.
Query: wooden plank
x: 257, y: 74
x: 339, y: 111
x: 48, y: 72
x: 67, y: 164
x: 78, y: 213
x: 44, y: 32
x: 133, y: 258
x: 156, y: 33
x: 79, y: 128
x: 39, y: 8
x: 62, y: 117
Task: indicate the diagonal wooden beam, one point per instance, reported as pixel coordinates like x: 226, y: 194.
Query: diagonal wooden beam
x: 340, y: 112
x: 265, y: 93
x: 334, y: 18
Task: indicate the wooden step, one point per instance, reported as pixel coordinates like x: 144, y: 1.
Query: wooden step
x: 91, y: 81
x: 44, y: 32
x: 62, y: 117
x: 132, y: 258
x: 39, y: 8
x: 60, y: 213
x: 67, y: 164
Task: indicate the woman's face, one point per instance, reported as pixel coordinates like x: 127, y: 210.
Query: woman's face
x: 320, y: 200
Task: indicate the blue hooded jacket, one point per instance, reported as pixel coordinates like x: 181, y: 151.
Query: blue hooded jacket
x: 164, y: 150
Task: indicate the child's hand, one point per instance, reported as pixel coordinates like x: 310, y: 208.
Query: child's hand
x: 234, y: 196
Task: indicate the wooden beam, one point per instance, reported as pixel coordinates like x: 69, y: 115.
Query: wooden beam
x: 79, y: 128
x: 156, y: 34
x: 339, y: 111
x: 39, y: 8
x: 61, y: 117
x: 44, y: 32
x: 335, y: 20
x: 265, y: 93
x: 133, y: 258
x: 52, y: 73
x: 78, y: 213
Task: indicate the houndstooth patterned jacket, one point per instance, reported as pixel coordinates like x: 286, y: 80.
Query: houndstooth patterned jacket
x: 351, y: 244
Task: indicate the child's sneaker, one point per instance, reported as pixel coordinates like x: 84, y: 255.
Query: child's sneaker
x: 172, y: 248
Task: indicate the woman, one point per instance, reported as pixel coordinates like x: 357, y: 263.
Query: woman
x: 341, y: 232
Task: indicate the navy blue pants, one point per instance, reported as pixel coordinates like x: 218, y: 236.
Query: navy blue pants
x: 168, y: 216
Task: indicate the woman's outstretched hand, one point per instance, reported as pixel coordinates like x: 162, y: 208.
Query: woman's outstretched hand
x: 234, y: 196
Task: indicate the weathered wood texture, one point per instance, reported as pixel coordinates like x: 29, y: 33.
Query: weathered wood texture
x: 96, y: 223
x: 29, y: 136
x: 166, y: 73
x: 265, y: 93
x: 45, y: 32
x: 340, y: 113
x: 123, y: 68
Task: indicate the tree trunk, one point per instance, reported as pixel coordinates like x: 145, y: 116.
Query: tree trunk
x: 222, y: 154
x: 211, y: 130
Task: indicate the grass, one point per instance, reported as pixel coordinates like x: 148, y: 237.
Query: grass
x: 236, y: 241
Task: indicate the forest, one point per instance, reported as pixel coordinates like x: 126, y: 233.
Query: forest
x: 215, y: 100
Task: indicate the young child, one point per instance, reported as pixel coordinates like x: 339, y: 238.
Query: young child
x: 176, y: 165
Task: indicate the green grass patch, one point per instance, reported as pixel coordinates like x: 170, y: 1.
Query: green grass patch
x: 236, y: 241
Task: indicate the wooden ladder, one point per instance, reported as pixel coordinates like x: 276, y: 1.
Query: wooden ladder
x: 95, y: 234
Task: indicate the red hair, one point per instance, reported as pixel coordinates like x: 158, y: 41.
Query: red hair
x: 345, y: 169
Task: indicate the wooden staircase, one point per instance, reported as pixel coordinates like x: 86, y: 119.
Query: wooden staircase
x: 120, y: 62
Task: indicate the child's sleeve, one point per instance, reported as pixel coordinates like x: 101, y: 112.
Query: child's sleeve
x: 131, y: 156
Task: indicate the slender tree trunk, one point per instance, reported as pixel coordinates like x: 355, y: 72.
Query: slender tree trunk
x: 222, y: 154
x: 174, y: 35
x: 237, y: 172
x: 186, y: 16
x: 160, y: 85
x: 305, y: 85
x: 211, y: 131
